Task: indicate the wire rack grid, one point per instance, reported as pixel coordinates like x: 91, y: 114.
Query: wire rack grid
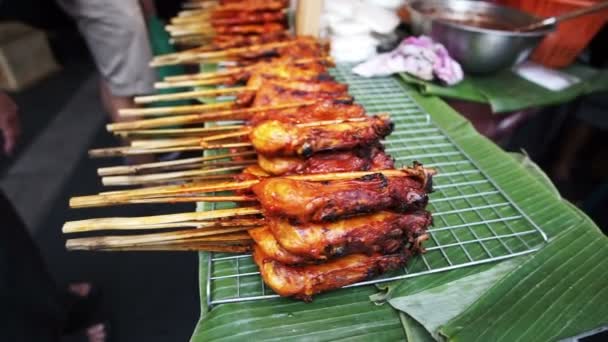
x: 474, y: 220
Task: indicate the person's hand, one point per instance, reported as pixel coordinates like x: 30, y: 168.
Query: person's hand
x: 9, y: 123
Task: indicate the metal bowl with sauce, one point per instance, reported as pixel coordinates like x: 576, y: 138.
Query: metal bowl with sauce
x: 479, y: 35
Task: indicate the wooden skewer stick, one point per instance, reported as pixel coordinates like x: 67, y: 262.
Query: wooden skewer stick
x: 129, y: 222
x: 208, y: 235
x: 171, y: 110
x: 133, y: 169
x: 192, y: 24
x: 214, y: 55
x: 120, y: 197
x: 191, y: 83
x: 229, y: 237
x: 198, y: 131
x: 191, y: 199
x: 191, y: 94
x: 167, y: 142
x: 165, y: 176
x: 247, y: 130
x: 206, y: 75
x: 200, y: 166
x: 129, y: 151
x: 232, y: 114
x: 158, y: 143
x: 210, y: 224
x: 190, y: 41
x: 123, y: 196
x: 237, y: 70
x: 183, y: 247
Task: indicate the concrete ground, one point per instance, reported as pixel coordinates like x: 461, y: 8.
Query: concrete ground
x: 147, y: 296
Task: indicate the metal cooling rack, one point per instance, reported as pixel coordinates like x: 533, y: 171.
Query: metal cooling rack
x: 474, y: 220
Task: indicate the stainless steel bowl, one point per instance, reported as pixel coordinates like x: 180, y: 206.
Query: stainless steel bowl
x: 478, y: 49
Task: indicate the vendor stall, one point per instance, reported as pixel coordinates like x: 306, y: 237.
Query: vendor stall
x: 334, y: 206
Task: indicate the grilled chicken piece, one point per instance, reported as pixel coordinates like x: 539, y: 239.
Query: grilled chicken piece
x: 249, y: 29
x: 332, y: 109
x: 250, y: 18
x: 383, y: 232
x: 362, y: 159
x: 227, y: 41
x: 266, y: 241
x: 272, y: 94
x: 305, y: 201
x: 270, y: 90
x: 305, y: 281
x: 234, y: 8
x: 274, y: 138
x: 301, y: 47
x: 274, y: 72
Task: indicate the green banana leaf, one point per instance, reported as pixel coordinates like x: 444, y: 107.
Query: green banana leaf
x: 351, y: 314
x: 532, y: 191
x: 505, y: 91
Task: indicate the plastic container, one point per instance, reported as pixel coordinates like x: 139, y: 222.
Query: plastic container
x: 561, y: 47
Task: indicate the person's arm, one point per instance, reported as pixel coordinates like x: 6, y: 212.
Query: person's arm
x: 9, y: 123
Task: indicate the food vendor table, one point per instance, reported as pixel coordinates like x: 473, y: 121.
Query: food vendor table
x: 499, y: 225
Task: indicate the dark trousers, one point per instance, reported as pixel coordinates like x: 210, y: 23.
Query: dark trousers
x: 31, y: 306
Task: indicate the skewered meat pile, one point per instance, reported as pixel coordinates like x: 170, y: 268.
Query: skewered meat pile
x: 320, y: 203
x: 230, y: 23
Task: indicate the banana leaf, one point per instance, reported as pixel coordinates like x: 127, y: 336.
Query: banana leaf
x: 533, y: 192
x: 505, y: 91
x: 351, y: 314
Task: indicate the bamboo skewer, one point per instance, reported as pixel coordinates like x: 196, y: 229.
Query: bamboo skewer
x: 125, y: 196
x: 191, y: 199
x: 207, y: 75
x: 122, y: 223
x: 128, y: 151
x: 198, y: 131
x: 237, y: 70
x: 190, y: 56
x: 172, y: 110
x: 229, y: 236
x: 158, y: 143
x: 191, y: 94
x: 207, y: 235
x: 232, y: 114
x: 133, y: 169
x: 165, y: 176
x: 192, y: 83
x: 185, y: 247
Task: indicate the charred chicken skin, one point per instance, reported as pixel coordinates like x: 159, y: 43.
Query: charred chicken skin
x: 273, y: 94
x: 362, y: 159
x: 249, y: 29
x: 222, y: 42
x: 305, y: 201
x: 304, y: 281
x: 233, y: 8
x: 266, y: 241
x: 250, y: 18
x: 274, y: 138
x: 382, y: 232
x: 302, y: 47
x: 333, y: 109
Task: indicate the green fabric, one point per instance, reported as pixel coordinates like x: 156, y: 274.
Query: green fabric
x: 349, y: 313
x: 160, y: 44
x: 507, y: 92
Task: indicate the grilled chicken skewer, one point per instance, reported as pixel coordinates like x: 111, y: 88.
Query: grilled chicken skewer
x: 303, y: 282
x: 382, y: 232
